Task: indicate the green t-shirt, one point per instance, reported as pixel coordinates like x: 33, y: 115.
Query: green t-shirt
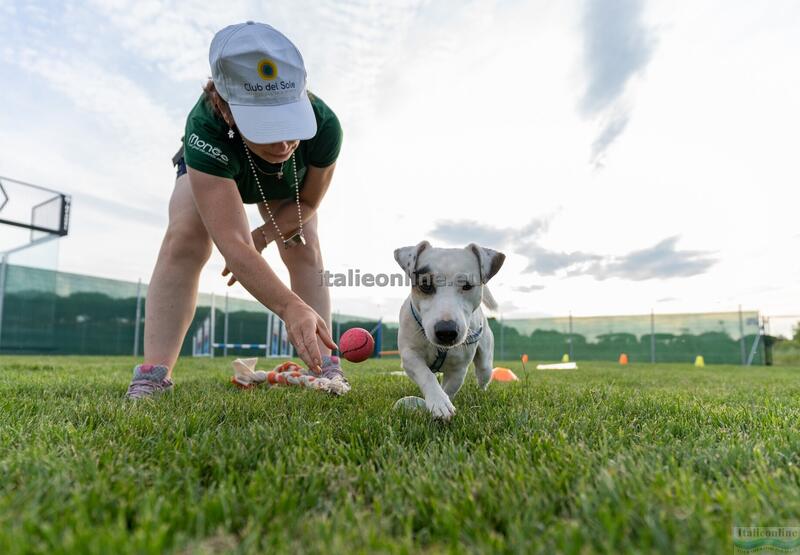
x: 207, y: 148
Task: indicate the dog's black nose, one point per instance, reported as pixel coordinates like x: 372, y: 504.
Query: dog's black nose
x: 446, y: 331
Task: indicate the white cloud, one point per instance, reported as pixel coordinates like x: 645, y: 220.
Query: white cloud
x: 617, y: 47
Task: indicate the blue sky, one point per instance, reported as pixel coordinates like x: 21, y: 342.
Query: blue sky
x: 626, y: 155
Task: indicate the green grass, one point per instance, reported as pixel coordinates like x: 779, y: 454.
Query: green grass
x: 663, y: 458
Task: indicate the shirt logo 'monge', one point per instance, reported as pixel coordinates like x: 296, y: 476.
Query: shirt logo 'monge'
x: 206, y: 148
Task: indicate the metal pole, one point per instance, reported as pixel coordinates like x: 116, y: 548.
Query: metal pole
x: 755, y: 346
x: 272, y: 335
x: 225, y: 333
x: 138, y: 318
x: 652, y: 336
x: 3, y: 268
x: 742, y: 346
x: 266, y: 337
x: 378, y: 339
x: 213, y: 323
x: 280, y: 337
x: 569, y: 338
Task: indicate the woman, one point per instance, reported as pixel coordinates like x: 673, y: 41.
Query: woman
x: 255, y: 136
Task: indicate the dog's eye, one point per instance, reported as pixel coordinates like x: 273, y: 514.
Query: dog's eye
x: 426, y: 287
x: 467, y: 286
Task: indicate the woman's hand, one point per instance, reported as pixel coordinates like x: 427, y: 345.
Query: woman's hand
x: 304, y: 325
x: 260, y: 243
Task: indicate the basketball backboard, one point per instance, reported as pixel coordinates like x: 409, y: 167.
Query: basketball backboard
x: 30, y: 213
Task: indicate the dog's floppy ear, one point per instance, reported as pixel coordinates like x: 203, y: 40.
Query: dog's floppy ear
x: 407, y: 257
x: 489, y: 261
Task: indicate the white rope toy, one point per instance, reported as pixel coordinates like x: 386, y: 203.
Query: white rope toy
x: 287, y: 373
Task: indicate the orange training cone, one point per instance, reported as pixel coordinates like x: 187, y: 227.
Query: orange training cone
x: 503, y: 375
x: 623, y: 359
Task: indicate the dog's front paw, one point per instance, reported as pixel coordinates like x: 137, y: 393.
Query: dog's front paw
x: 440, y: 407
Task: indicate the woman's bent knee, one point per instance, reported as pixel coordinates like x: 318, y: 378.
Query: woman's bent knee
x: 308, y: 255
x: 187, y: 246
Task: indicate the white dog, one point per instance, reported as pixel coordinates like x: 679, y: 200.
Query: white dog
x: 442, y: 326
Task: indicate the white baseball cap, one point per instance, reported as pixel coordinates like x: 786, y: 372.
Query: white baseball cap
x: 261, y: 75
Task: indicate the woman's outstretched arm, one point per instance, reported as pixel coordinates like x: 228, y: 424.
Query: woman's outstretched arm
x: 223, y: 215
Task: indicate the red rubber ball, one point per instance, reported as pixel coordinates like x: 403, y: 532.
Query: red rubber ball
x: 356, y: 345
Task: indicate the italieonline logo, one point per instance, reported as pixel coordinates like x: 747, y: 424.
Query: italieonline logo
x: 761, y: 540
x: 206, y: 148
x: 355, y: 278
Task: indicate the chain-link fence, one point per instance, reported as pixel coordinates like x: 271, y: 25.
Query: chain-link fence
x: 44, y: 311
x: 723, y: 337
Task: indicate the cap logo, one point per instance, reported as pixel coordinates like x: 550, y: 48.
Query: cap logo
x: 267, y: 69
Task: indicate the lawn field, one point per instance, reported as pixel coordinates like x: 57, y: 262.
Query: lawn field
x: 649, y: 458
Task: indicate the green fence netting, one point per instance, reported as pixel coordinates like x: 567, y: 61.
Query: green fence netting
x: 723, y: 337
x: 45, y: 311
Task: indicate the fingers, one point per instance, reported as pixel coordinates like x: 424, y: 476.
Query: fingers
x: 310, y: 341
x: 307, y: 350
x: 325, y: 335
x: 225, y: 272
x: 302, y: 353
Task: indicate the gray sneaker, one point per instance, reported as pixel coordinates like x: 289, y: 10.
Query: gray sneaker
x: 148, y: 380
x: 332, y: 368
